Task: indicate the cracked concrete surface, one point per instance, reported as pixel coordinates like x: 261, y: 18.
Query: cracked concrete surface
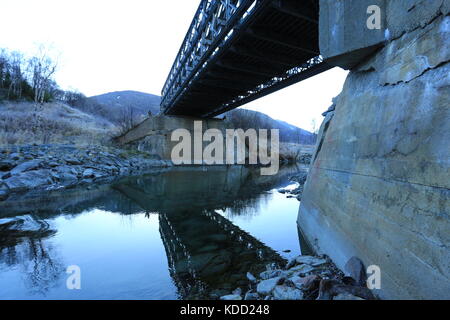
x: 380, y: 186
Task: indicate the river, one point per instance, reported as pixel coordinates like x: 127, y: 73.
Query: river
x: 182, y: 233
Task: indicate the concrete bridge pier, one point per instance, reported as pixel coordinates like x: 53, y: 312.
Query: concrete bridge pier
x: 154, y: 135
x: 379, y: 185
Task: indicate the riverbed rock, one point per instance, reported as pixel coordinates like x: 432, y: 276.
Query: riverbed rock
x: 300, y: 177
x: 310, y: 260
x: 300, y: 270
x: 287, y: 293
x: 67, y: 166
x: 6, y: 165
x: 251, y: 296
x: 265, y: 287
x: 303, y: 283
x: 67, y: 178
x: 355, y: 269
x: 26, y: 166
x: 268, y: 274
x: 88, y: 173
x: 14, y: 156
x: 73, y: 161
x: 29, y: 180
x: 251, y: 277
x: 346, y: 296
x: 237, y: 292
x: 330, y: 288
x: 292, y: 262
x: 231, y: 297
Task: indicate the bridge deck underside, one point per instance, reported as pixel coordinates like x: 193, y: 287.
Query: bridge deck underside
x: 274, y: 47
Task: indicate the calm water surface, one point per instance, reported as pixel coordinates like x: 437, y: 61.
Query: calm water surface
x: 180, y: 234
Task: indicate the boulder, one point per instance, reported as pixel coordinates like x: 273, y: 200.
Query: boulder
x: 310, y: 260
x: 251, y: 277
x: 88, y: 173
x: 355, y: 269
x: 292, y: 262
x: 271, y: 274
x: 237, y: 292
x: 303, y: 283
x: 67, y: 178
x: 265, y: 287
x: 26, y: 166
x: 300, y: 270
x: 287, y: 293
x: 331, y: 288
x: 251, y: 296
x: 29, y: 180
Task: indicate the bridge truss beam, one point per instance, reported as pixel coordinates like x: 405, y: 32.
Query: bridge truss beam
x: 239, y: 50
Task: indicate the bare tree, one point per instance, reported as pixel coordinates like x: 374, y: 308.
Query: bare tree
x: 42, y: 68
x: 16, y: 75
x: 127, y: 120
x: 4, y: 66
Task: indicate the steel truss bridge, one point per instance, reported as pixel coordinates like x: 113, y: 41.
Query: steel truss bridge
x: 237, y: 51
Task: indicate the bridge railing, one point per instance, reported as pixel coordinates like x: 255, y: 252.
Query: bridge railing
x: 213, y: 22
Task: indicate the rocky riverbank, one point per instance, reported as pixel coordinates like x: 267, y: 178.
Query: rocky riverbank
x: 49, y: 167
x: 297, y: 192
x: 307, y: 278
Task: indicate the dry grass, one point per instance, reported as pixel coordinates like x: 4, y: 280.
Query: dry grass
x: 292, y: 151
x: 28, y: 123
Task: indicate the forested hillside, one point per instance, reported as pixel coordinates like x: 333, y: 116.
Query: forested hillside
x: 246, y: 119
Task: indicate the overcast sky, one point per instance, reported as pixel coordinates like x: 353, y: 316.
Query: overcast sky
x: 115, y: 45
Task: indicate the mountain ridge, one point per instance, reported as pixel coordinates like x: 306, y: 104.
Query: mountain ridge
x: 113, y: 106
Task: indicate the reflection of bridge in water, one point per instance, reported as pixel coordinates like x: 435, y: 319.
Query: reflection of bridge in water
x: 205, y: 251
x: 207, y: 254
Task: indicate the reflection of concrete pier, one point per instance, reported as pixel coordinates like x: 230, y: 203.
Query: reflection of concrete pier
x: 207, y: 254
x: 214, y: 187
x: 185, y: 188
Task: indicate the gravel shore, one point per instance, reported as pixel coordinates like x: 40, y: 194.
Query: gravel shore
x: 49, y: 167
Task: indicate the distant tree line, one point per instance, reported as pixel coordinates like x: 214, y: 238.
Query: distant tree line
x: 248, y: 119
x: 30, y: 78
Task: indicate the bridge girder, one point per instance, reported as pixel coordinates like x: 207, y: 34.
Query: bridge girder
x: 239, y: 50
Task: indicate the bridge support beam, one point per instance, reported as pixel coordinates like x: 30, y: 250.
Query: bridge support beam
x: 278, y: 38
x: 292, y: 8
x: 349, y: 31
x: 344, y: 36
